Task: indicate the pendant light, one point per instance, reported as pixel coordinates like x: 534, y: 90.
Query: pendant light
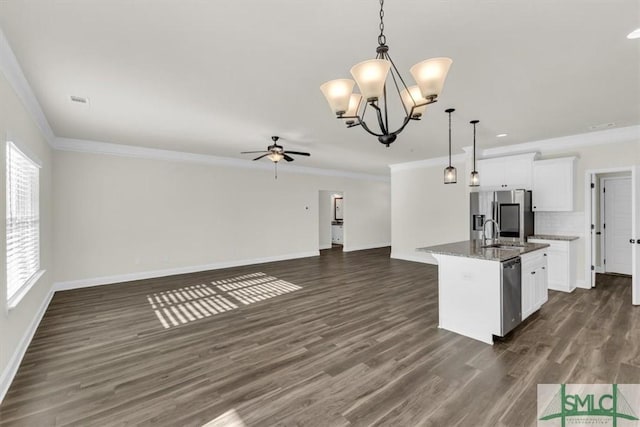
x: 450, y: 173
x: 475, y: 177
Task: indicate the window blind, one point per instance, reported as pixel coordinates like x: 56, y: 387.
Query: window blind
x: 23, y: 220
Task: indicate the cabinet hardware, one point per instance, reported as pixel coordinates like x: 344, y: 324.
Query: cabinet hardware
x: 545, y: 254
x: 533, y: 272
x: 544, y: 268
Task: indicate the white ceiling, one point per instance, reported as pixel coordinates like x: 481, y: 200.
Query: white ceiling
x: 219, y: 77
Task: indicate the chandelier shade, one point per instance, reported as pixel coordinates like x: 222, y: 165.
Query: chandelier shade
x: 411, y: 97
x: 371, y: 77
x: 430, y: 75
x: 338, y: 94
x: 354, y: 105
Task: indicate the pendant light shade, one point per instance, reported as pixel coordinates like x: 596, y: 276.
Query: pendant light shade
x: 450, y: 173
x: 474, y: 179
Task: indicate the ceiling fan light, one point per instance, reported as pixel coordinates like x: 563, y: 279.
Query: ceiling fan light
x: 430, y: 75
x: 412, y: 97
x: 275, y: 157
x: 371, y: 76
x: 338, y: 94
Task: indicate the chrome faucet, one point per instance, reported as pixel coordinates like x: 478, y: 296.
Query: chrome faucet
x: 495, y: 228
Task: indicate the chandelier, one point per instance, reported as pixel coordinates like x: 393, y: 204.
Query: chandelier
x: 371, y: 77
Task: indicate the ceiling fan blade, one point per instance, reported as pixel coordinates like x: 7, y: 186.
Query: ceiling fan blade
x: 259, y: 157
x: 252, y: 152
x: 288, y: 158
x: 299, y: 153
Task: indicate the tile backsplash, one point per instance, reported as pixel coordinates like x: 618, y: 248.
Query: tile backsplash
x: 565, y: 223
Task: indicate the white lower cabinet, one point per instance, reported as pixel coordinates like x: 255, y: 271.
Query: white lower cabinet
x: 534, y: 281
x: 562, y: 261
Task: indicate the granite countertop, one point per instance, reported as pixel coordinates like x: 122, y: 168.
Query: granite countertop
x: 553, y: 237
x: 474, y: 249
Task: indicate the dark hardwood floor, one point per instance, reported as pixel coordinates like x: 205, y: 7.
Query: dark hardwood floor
x: 358, y: 344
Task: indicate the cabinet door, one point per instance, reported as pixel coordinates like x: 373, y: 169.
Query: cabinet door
x: 517, y: 174
x: 553, y: 185
x: 528, y: 293
x: 542, y: 286
x: 558, y: 270
x: 491, y: 174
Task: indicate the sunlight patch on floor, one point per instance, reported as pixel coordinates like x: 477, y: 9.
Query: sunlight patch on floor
x: 228, y: 419
x: 190, y: 303
x: 256, y: 287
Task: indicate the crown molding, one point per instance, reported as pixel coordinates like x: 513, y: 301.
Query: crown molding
x: 15, y: 76
x: 564, y: 143
x: 121, y: 150
x: 543, y: 146
x: 427, y: 163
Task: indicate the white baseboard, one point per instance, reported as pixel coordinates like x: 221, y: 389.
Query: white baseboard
x: 424, y: 258
x: 128, y: 277
x: 581, y: 283
x: 16, y: 358
x: 365, y: 247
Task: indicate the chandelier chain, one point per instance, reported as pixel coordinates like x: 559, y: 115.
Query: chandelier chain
x: 382, y: 39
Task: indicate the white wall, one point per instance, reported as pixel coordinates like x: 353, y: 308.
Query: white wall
x: 427, y: 212
x: 325, y: 215
x: 119, y: 216
x: 17, y: 324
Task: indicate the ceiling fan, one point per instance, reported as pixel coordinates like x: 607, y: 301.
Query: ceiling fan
x: 276, y: 152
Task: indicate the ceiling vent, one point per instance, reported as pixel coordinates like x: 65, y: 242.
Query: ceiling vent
x: 79, y: 99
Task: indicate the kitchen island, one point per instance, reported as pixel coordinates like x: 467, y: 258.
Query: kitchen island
x: 487, y: 288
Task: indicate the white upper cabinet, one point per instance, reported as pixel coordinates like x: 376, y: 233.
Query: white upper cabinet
x: 506, y: 173
x: 553, y: 185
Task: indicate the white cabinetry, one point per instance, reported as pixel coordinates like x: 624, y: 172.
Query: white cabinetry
x: 337, y: 234
x: 562, y: 258
x: 553, y: 186
x: 506, y: 173
x: 534, y: 281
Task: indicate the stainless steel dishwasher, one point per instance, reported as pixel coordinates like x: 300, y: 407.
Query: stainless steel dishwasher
x: 510, y: 295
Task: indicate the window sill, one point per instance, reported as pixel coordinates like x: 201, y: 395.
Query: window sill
x: 24, y: 290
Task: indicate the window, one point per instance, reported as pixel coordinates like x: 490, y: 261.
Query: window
x: 23, y: 223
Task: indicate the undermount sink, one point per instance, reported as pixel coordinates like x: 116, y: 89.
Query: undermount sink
x: 503, y: 246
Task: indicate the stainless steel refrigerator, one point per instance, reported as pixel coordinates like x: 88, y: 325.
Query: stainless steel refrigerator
x: 510, y: 209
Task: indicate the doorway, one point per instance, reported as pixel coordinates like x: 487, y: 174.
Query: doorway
x: 331, y: 220
x: 615, y: 223
x: 612, y: 208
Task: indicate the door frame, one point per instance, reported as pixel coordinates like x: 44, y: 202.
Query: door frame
x: 603, y: 239
x: 589, y: 177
